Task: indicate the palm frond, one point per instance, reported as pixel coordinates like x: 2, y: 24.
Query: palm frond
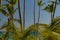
x: 55, y: 2
x: 49, y: 8
x: 9, y: 8
x: 4, y: 26
x: 40, y: 3
x: 15, y: 10
x: 56, y: 20
x: 6, y: 35
x: 17, y: 20
x: 12, y: 1
x: 4, y: 12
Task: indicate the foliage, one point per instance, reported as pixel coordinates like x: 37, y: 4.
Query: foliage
x: 43, y: 31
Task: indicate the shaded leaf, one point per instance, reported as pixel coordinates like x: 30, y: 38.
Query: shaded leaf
x: 12, y: 1
x: 15, y: 10
x: 49, y: 8
x: 4, y: 12
x: 17, y: 20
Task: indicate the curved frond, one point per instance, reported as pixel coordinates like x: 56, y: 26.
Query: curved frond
x: 49, y: 8
x: 12, y: 1
x: 55, y: 21
x: 17, y: 20
x: 40, y: 3
x: 9, y: 8
x: 4, y: 12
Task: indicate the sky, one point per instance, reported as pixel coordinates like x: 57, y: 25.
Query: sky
x: 45, y: 16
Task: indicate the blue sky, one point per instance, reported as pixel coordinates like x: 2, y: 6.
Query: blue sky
x: 45, y: 16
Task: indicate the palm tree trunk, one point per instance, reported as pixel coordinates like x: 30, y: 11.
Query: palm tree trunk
x: 21, y: 27
x: 51, y: 18
x: 0, y: 1
x: 53, y: 14
x: 54, y: 9
x: 24, y: 15
x: 34, y: 15
x: 39, y: 14
x: 34, y: 12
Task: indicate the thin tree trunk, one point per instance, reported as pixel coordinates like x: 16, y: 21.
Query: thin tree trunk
x: 21, y: 27
x: 53, y: 14
x: 34, y: 12
x: 51, y: 21
x: 51, y: 18
x: 24, y: 15
x: 34, y: 16
x: 39, y: 14
x: 54, y: 9
x: 0, y: 3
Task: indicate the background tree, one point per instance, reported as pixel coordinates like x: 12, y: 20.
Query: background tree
x: 39, y: 4
x: 21, y: 27
x: 50, y: 8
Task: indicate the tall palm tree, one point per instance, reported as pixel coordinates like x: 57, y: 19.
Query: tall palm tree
x: 10, y: 12
x: 39, y: 4
x: 50, y: 8
x: 21, y: 27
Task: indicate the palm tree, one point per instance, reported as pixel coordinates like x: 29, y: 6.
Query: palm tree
x: 39, y: 4
x: 21, y: 27
x: 10, y: 8
x: 54, y: 9
x: 50, y: 8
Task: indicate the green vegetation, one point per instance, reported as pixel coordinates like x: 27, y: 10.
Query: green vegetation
x: 36, y: 31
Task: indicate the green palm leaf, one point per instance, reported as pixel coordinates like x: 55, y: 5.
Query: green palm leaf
x: 9, y: 8
x: 4, y: 12
x: 49, y: 8
x: 17, y: 20
x: 15, y: 10
x: 55, y: 26
x: 40, y: 3
x: 12, y: 1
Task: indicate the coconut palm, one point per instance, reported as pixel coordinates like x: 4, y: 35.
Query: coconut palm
x: 55, y: 5
x: 39, y: 4
x: 10, y: 8
x: 56, y: 2
x: 50, y: 9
